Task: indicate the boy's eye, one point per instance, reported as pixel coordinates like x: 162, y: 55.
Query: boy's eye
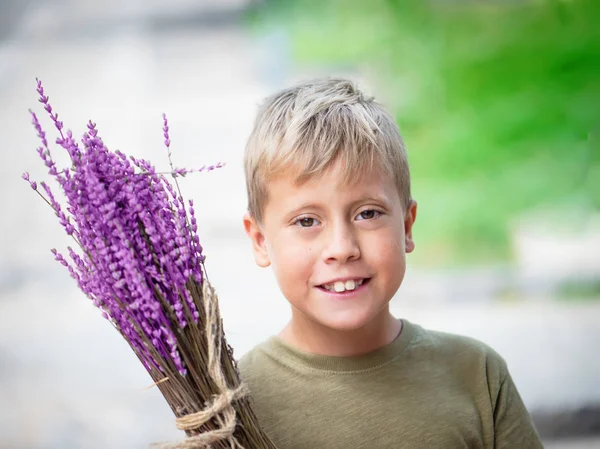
x: 307, y: 222
x: 368, y: 214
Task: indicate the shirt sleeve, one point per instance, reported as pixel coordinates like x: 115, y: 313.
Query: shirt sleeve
x: 512, y: 422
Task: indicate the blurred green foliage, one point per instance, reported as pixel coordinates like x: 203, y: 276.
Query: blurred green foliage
x: 498, y: 101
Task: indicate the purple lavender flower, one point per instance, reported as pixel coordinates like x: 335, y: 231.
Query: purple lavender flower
x: 138, y: 242
x: 166, y: 132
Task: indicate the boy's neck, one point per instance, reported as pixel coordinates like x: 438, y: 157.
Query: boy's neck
x: 308, y: 336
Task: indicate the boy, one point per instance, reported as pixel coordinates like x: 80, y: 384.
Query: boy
x: 330, y: 210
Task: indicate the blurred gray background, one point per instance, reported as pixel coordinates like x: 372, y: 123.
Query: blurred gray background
x: 67, y: 379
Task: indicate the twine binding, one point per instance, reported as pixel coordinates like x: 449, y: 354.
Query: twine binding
x: 221, y: 408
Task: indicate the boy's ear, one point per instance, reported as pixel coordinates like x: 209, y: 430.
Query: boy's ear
x: 259, y: 246
x: 409, y: 221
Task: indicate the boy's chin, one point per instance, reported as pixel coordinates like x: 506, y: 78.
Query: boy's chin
x: 349, y: 323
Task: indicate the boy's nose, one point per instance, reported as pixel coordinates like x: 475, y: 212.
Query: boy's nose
x: 342, y: 246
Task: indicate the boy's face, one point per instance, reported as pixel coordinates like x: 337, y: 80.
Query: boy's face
x: 337, y: 250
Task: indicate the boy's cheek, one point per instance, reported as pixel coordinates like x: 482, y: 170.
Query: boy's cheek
x: 287, y: 258
x: 292, y: 263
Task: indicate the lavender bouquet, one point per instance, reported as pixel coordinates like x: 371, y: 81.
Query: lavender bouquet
x: 139, y: 259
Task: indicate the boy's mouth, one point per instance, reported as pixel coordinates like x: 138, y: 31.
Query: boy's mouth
x: 344, y: 286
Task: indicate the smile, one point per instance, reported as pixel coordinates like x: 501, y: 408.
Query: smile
x: 344, y: 286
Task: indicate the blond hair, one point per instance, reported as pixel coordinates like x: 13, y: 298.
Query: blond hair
x: 304, y: 129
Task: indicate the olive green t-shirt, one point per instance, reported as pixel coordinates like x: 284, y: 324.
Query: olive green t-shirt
x: 424, y: 390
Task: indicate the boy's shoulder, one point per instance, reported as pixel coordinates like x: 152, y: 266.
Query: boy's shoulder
x: 457, y: 345
x: 464, y: 353
x: 260, y: 355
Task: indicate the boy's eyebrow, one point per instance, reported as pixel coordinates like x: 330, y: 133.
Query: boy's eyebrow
x: 295, y: 210
x: 375, y: 198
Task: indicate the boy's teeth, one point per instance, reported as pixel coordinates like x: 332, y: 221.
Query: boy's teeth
x: 340, y: 286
